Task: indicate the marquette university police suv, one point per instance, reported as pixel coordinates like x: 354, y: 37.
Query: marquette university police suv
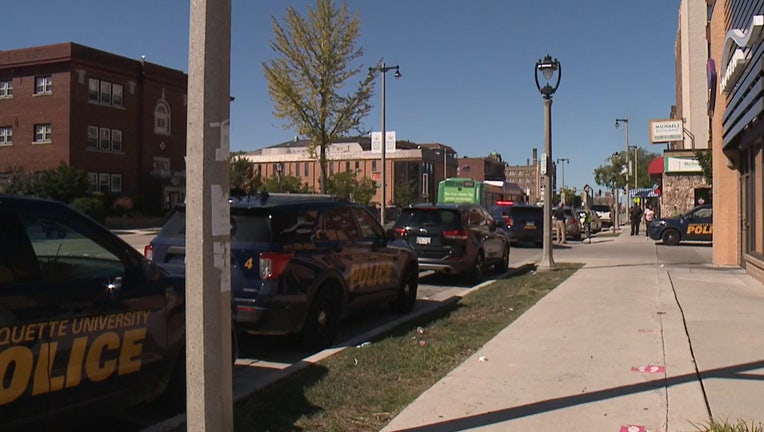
x: 87, y: 325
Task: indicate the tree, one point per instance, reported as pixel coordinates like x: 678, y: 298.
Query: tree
x: 286, y: 184
x: 613, y: 174
x: 313, y: 67
x: 705, y: 158
x: 244, y: 180
x: 404, y: 193
x: 64, y: 183
x: 347, y: 184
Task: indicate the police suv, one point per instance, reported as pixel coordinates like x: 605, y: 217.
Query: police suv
x: 86, y: 323
x: 695, y: 225
x: 301, y: 262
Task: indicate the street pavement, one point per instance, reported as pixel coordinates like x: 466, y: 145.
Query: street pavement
x: 644, y: 337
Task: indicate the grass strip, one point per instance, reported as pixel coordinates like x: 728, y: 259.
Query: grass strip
x: 362, y: 389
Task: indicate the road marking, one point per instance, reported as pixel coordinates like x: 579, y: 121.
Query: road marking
x: 632, y: 428
x: 649, y: 369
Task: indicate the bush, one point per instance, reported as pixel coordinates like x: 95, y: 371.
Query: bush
x: 90, y: 206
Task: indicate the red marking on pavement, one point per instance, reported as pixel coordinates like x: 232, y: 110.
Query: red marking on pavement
x: 632, y: 428
x: 649, y: 369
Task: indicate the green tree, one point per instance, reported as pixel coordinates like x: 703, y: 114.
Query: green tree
x: 348, y: 185
x: 613, y: 174
x: 244, y: 181
x: 705, y: 158
x: 313, y: 67
x: 19, y: 182
x: 63, y: 183
x: 404, y: 193
x: 286, y: 184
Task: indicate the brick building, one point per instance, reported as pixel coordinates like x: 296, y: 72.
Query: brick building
x: 122, y: 121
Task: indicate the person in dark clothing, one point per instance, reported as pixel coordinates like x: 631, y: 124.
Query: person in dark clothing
x: 559, y: 223
x: 635, y: 214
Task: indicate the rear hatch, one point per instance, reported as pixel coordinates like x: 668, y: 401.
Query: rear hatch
x: 431, y: 231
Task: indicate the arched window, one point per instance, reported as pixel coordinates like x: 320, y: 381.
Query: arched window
x: 162, y: 118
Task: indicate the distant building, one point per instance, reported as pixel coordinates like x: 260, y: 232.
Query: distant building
x: 527, y: 176
x: 482, y: 168
x: 123, y: 121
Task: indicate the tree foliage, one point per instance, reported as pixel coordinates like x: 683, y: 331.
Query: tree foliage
x: 286, y: 184
x: 613, y: 173
x: 347, y: 184
x: 244, y: 179
x: 63, y: 183
x: 705, y: 158
x: 314, y: 63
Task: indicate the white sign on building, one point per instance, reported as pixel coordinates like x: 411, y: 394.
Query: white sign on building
x: 376, y: 140
x: 662, y: 131
x: 681, y: 165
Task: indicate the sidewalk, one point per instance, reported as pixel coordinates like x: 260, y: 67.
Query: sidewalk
x: 643, y: 338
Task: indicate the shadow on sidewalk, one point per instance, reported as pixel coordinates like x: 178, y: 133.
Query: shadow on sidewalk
x: 494, y: 417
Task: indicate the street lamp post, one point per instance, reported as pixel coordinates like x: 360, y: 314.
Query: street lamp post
x: 628, y: 165
x: 548, y: 67
x: 562, y: 189
x: 384, y: 69
x: 636, y: 168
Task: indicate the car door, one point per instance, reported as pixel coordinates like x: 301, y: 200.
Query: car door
x: 699, y: 224
x: 481, y: 224
x: 385, y: 264
x: 105, y: 323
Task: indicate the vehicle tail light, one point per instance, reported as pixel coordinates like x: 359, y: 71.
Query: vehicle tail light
x: 510, y: 222
x: 455, y: 235
x: 148, y: 252
x: 400, y: 231
x: 272, y: 264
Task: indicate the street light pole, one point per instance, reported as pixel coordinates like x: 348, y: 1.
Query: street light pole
x: 547, y: 67
x: 562, y: 189
x: 628, y: 165
x: 383, y: 69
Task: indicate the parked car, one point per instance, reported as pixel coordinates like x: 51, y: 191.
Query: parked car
x: 595, y: 223
x: 523, y: 223
x: 603, y: 212
x: 695, y: 225
x: 458, y: 239
x: 87, y: 325
x: 302, y: 262
x: 572, y: 224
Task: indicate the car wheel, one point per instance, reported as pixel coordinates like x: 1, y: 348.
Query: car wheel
x: 407, y: 292
x: 476, y: 274
x: 503, y: 265
x: 670, y: 237
x: 322, y: 323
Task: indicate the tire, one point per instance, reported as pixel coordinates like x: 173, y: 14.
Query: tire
x: 503, y: 265
x: 406, y: 292
x: 670, y: 237
x: 323, y: 320
x: 475, y: 276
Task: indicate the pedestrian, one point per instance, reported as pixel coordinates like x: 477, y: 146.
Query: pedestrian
x: 649, y: 217
x: 559, y: 223
x: 635, y: 214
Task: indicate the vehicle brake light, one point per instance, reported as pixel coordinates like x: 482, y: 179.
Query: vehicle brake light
x: 510, y: 222
x: 272, y: 264
x: 505, y: 203
x: 148, y: 252
x: 400, y: 231
x: 455, y: 235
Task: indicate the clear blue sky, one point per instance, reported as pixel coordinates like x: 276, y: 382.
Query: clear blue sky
x: 467, y: 66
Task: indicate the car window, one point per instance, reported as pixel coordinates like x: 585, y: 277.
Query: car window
x: 703, y: 213
x: 445, y: 218
x: 287, y: 226
x: 370, y: 228
x: 476, y: 217
x: 339, y: 225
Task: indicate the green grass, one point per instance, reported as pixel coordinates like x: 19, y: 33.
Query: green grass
x: 362, y: 389
x: 739, y: 426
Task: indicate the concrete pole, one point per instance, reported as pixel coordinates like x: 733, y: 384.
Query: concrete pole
x: 547, y: 259
x: 384, y: 144
x: 628, y: 168
x: 209, y: 388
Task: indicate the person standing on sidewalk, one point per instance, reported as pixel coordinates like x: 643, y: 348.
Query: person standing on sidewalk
x: 559, y: 223
x: 635, y: 214
x: 649, y: 216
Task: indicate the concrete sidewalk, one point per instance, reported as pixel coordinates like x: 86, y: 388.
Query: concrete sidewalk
x: 643, y: 338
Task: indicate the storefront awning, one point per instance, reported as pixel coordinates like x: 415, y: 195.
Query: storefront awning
x: 656, y: 166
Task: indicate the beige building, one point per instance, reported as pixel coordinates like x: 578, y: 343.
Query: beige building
x: 526, y: 176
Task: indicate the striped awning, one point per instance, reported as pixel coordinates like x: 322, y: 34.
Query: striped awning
x: 644, y: 193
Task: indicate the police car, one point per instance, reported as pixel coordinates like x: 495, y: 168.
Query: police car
x: 301, y: 262
x: 695, y: 225
x: 87, y: 325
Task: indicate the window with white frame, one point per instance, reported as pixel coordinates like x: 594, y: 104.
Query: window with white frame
x: 116, y: 183
x: 42, y: 133
x: 6, y: 135
x: 6, y: 89
x: 116, y: 140
x: 162, y: 118
x: 105, y: 93
x: 104, y: 183
x: 93, y: 137
x: 92, y: 182
x: 104, y: 139
x: 94, y: 90
x: 43, y: 85
x: 116, y: 95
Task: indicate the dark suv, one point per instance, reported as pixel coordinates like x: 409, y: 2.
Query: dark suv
x: 299, y: 263
x: 523, y: 223
x: 454, y: 238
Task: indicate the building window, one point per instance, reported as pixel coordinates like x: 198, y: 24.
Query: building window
x: 116, y: 95
x: 373, y: 166
x: 162, y: 118
x: 116, y: 140
x: 94, y: 87
x: 92, y: 181
x: 105, y: 93
x: 104, y: 139
x: 331, y: 168
x: 297, y: 169
x: 42, y: 133
x: 307, y: 171
x: 103, y: 182
x: 92, y: 137
x: 6, y: 135
x: 347, y: 166
x: 6, y: 89
x: 43, y: 85
x: 357, y: 165
x: 116, y: 183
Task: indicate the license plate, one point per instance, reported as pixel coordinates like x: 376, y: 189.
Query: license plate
x: 423, y: 240
x: 530, y: 225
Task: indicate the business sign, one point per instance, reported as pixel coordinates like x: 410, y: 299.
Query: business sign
x: 662, y: 131
x: 376, y: 141
x: 681, y: 165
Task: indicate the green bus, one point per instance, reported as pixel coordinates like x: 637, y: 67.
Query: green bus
x: 466, y: 190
